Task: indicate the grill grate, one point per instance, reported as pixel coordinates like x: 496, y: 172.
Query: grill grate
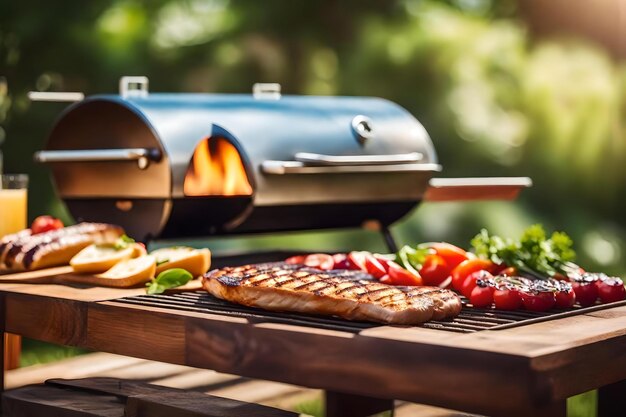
x: 470, y: 320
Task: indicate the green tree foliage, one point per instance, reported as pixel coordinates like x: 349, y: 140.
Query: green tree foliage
x: 494, y: 101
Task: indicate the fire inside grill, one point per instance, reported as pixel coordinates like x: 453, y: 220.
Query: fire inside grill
x: 263, y: 163
x: 216, y: 169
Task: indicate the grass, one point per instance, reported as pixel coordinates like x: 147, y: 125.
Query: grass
x: 583, y: 405
x: 35, y: 352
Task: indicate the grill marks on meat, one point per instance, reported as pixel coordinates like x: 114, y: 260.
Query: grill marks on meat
x: 23, y: 251
x: 283, y: 287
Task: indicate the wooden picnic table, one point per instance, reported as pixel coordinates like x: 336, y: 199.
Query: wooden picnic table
x: 523, y: 371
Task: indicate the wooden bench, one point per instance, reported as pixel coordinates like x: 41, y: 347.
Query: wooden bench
x: 113, y: 397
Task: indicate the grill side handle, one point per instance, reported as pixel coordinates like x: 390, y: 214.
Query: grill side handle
x: 142, y: 156
x: 475, y: 189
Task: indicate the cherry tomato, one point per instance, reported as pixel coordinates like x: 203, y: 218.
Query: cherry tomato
x: 321, y: 261
x: 471, y: 281
x: 373, y: 266
x: 507, y: 299
x: 503, y: 269
x: 586, y: 293
x: 357, y: 260
x: 482, y: 296
x: 400, y: 276
x: 538, y: 301
x: 434, y: 270
x: 465, y: 268
x: 44, y: 224
x: 451, y: 254
x: 560, y: 277
x: 298, y: 259
x: 565, y: 298
x: 611, y: 290
x: 341, y: 261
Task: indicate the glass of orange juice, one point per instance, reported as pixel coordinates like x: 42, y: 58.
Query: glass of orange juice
x: 13, y: 212
x: 13, y: 203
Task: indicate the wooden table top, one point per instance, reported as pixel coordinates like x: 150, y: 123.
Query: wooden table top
x: 527, y: 368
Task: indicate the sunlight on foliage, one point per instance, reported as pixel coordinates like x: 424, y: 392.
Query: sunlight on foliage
x: 191, y: 22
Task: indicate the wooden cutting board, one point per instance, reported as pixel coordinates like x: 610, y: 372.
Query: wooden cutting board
x: 65, y: 275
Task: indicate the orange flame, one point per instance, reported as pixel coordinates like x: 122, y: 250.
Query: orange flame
x: 216, y: 169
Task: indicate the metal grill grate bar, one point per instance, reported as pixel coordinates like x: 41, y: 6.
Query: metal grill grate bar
x: 470, y: 319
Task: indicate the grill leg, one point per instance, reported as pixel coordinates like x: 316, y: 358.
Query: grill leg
x: 612, y: 400
x: 348, y: 405
x: 389, y: 240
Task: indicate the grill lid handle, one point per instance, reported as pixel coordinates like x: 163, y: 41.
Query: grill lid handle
x: 297, y: 167
x: 317, y: 159
x: 142, y: 156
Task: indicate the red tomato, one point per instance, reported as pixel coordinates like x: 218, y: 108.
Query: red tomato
x: 451, y: 254
x: 400, y: 276
x: 482, y: 296
x: 383, y: 261
x: 611, y: 290
x: 509, y: 271
x: 373, y: 266
x: 298, y: 259
x: 467, y: 267
x: 321, y: 261
x: 538, y: 301
x: 357, y: 260
x: 471, y: 281
x: 434, y: 270
x: 565, y: 298
x: 44, y: 224
x: 507, y: 299
x: 445, y: 283
x: 341, y: 261
x: 586, y: 293
x: 386, y: 280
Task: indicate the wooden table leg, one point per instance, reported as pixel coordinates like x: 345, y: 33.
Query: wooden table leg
x: 12, y: 351
x: 348, y: 405
x: 612, y: 400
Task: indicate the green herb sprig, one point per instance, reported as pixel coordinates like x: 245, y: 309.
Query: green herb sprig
x: 533, y: 253
x: 123, y: 242
x: 170, y: 278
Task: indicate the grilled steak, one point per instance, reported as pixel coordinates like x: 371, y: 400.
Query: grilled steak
x: 282, y: 287
x: 24, y: 251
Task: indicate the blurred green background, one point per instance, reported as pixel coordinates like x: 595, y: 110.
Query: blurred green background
x: 498, y: 94
x: 505, y: 88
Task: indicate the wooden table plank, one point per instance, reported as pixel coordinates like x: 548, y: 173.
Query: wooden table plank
x: 143, y: 334
x: 55, y: 320
x: 531, y: 368
x: 76, y: 292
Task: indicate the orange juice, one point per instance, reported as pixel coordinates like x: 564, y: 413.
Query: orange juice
x: 12, y: 211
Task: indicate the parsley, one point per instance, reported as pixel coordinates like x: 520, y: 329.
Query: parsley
x: 123, y: 242
x: 162, y: 261
x: 170, y: 278
x: 533, y: 253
